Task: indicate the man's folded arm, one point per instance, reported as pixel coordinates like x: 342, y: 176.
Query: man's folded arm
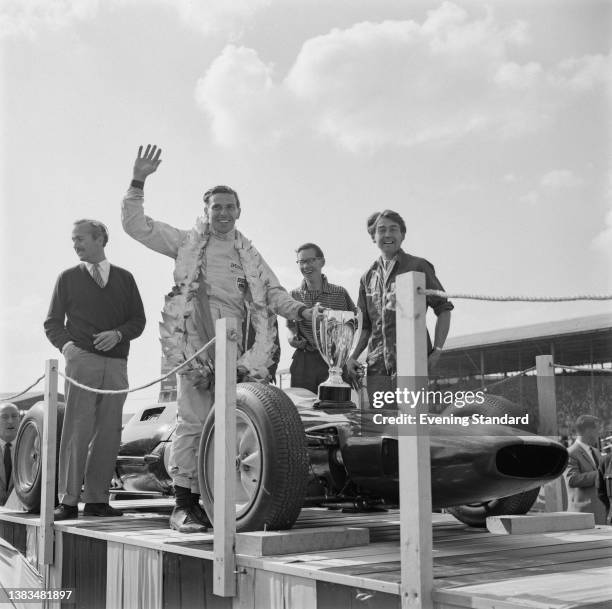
x: 135, y: 324
x: 576, y: 478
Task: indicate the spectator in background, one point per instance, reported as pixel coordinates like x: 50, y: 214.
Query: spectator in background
x: 604, y: 484
x: 308, y: 369
x: 95, y: 312
x: 9, y: 423
x: 582, y: 470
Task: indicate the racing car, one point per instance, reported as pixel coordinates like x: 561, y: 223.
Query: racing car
x: 293, y: 453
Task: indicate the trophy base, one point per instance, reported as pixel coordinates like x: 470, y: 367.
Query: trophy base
x: 334, y: 393
x: 327, y: 405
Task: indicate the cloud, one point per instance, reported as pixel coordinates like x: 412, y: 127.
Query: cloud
x: 603, y: 240
x: 239, y: 95
x: 399, y: 83
x: 560, y: 178
x: 214, y: 15
x: 555, y: 181
x: 27, y: 17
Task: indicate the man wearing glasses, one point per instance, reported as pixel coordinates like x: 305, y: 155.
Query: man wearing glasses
x: 387, y: 230
x: 308, y: 369
x: 95, y: 312
x: 218, y: 273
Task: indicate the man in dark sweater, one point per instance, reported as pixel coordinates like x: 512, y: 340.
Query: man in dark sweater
x: 95, y: 312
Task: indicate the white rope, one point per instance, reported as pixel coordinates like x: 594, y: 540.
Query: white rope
x: 589, y: 370
x: 442, y: 294
x: 12, y: 397
x: 509, y: 378
x: 128, y: 390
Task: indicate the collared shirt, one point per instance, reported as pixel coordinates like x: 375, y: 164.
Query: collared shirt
x: 374, y: 287
x: 104, y: 267
x: 588, y: 451
x: 330, y: 296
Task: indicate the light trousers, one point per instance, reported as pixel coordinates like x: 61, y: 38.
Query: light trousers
x: 92, y: 427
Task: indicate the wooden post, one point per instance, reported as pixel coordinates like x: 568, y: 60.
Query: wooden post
x: 548, y: 426
x: 224, y: 567
x: 49, y: 450
x: 416, y: 566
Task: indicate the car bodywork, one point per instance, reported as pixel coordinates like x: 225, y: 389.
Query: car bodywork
x: 353, y: 462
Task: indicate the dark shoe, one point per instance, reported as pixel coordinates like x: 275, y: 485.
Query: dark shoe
x: 101, y: 509
x: 185, y: 520
x: 200, y: 514
x: 66, y: 512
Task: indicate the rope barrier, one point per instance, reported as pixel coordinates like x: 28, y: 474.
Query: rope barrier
x: 443, y: 294
x: 509, y: 378
x: 128, y: 390
x: 12, y: 397
x: 575, y: 368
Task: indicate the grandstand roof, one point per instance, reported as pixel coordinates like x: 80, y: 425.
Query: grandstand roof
x: 577, y: 341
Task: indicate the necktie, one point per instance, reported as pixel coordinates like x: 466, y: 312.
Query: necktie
x: 8, y: 463
x: 95, y: 273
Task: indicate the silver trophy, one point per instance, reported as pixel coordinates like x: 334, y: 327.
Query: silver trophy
x: 335, y: 335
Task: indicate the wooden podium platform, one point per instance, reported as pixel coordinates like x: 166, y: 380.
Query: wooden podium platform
x: 136, y: 562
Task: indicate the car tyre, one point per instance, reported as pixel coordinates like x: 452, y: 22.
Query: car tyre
x: 272, y: 461
x: 475, y: 515
x: 27, y: 469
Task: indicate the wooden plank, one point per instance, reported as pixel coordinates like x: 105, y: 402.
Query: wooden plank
x: 114, y: 575
x: 84, y: 569
x: 15, y: 533
x: 32, y: 547
x: 224, y: 579
x: 299, y: 592
x: 544, y: 569
x: 245, y: 589
x: 142, y: 578
x: 333, y: 596
x: 304, y: 570
x: 267, y: 543
x: 55, y: 573
x: 548, y: 425
x: 268, y: 589
x: 540, y: 523
x: 413, y: 450
x: 49, y: 441
x: 586, y: 588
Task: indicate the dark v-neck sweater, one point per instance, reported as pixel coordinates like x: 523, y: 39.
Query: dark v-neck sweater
x: 81, y: 308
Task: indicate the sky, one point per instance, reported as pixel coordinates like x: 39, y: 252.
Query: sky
x: 485, y: 124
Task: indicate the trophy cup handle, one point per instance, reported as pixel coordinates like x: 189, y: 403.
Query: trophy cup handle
x: 315, y: 313
x: 357, y: 335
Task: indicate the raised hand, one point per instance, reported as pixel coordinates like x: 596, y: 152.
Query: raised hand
x: 146, y: 163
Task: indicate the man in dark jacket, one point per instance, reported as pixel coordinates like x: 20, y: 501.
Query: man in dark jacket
x: 95, y: 312
x: 387, y: 230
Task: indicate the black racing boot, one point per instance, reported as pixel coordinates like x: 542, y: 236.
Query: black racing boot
x: 184, y: 518
x: 199, y: 510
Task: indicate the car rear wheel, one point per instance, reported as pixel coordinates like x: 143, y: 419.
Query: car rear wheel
x: 271, y: 460
x: 27, y: 471
x: 475, y: 515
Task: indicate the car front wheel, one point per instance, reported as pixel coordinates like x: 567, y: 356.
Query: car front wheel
x: 271, y: 466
